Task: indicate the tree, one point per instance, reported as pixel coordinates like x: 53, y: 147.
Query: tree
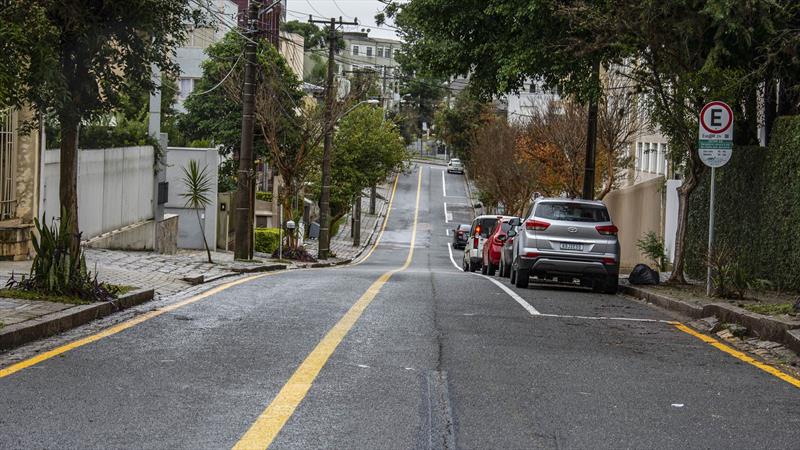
x: 497, y: 159
x: 367, y: 149
x: 618, y: 123
x: 556, y: 137
x: 198, y: 188
x: 88, y: 56
x: 215, y: 117
x: 457, y: 126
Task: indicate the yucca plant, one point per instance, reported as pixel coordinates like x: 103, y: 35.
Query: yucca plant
x: 59, y: 268
x: 198, y: 188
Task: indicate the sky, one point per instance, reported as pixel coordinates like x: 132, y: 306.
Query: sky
x: 364, y: 10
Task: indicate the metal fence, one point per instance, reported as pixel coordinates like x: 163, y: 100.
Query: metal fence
x: 8, y: 201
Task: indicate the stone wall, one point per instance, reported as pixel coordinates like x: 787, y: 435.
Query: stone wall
x: 636, y: 210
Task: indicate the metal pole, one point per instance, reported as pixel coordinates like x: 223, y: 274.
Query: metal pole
x: 280, y: 243
x: 709, y: 287
x: 591, y: 139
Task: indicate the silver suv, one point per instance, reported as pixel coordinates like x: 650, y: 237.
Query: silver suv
x: 565, y: 239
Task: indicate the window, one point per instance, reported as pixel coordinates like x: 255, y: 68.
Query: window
x: 8, y: 164
x: 185, y: 87
x: 356, y: 67
x: 483, y: 226
x: 369, y: 51
x: 532, y: 88
x: 639, y: 156
x: 388, y: 53
x: 575, y: 212
x: 646, y: 160
x: 355, y: 50
x: 380, y: 52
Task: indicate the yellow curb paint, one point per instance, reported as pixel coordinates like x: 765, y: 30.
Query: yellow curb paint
x: 739, y: 355
x: 271, y: 421
x: 14, y: 368
x: 383, y: 226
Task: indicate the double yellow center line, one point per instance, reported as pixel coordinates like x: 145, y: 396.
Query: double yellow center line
x: 271, y: 421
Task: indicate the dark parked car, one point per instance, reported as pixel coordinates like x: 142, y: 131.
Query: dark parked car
x: 507, y: 252
x: 460, y: 236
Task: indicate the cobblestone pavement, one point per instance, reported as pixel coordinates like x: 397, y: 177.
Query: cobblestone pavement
x: 342, y: 243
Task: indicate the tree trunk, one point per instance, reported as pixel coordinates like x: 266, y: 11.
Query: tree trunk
x: 770, y: 107
x: 680, y: 235
x: 357, y: 223
x: 68, y: 182
x: 373, y: 193
x: 203, y: 233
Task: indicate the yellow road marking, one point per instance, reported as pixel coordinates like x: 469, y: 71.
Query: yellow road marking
x: 14, y: 368
x: 271, y: 421
x: 739, y: 355
x: 383, y: 226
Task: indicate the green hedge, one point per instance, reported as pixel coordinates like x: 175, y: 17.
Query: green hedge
x: 267, y: 240
x: 264, y: 196
x: 757, y: 210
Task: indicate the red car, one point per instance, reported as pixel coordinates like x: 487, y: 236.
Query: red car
x: 493, y: 246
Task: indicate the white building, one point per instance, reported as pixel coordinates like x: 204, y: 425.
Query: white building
x: 533, y: 98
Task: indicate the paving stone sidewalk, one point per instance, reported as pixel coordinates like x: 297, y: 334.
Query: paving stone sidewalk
x: 166, y: 274
x: 342, y: 243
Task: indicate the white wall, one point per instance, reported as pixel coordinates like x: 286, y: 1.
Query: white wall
x: 188, y: 227
x: 115, y: 188
x: 671, y: 217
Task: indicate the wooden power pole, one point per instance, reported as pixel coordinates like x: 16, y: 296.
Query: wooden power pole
x: 591, y: 138
x: 244, y: 188
x: 330, y: 99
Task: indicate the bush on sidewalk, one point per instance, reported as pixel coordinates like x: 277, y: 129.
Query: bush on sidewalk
x: 267, y: 240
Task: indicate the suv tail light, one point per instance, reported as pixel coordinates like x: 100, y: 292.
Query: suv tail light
x: 607, y: 230
x: 536, y: 225
x: 609, y: 261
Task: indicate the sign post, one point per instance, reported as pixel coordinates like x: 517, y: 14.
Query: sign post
x: 715, y: 149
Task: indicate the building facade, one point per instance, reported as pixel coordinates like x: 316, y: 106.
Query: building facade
x: 20, y: 177
x: 363, y: 52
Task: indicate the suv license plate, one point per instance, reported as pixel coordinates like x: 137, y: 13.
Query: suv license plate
x: 567, y: 246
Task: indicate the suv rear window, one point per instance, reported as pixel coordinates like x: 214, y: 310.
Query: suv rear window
x: 575, y: 212
x: 486, y: 225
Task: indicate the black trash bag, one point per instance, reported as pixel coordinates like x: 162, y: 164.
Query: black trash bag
x: 643, y: 274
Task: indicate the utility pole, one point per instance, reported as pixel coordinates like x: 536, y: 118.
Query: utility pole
x: 244, y: 191
x: 330, y: 98
x: 591, y: 136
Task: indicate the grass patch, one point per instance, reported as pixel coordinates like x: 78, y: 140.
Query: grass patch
x: 335, y: 227
x: 71, y: 300
x: 770, y: 309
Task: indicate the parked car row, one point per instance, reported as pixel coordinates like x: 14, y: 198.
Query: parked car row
x: 557, y: 239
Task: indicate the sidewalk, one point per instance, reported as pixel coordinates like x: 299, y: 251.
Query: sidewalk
x: 342, y: 244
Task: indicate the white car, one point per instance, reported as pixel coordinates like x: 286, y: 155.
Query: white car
x: 455, y: 166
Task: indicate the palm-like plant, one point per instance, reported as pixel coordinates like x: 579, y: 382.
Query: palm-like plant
x: 198, y: 188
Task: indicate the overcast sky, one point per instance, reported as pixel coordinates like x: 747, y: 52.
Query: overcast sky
x: 364, y: 10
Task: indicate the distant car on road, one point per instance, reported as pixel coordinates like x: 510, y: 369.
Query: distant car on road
x: 455, y: 166
x: 493, y: 246
x: 478, y: 233
x: 461, y: 235
x: 565, y: 239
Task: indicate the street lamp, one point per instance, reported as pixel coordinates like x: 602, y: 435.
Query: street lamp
x: 371, y: 101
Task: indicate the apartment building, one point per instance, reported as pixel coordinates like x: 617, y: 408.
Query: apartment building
x: 363, y: 52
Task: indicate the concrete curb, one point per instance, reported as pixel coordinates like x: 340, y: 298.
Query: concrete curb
x: 766, y: 327
x: 50, y: 324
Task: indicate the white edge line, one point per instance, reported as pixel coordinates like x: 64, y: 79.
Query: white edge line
x: 533, y: 310
x: 505, y: 288
x: 446, y: 220
x: 444, y: 188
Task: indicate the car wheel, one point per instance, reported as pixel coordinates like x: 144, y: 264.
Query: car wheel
x: 500, y: 270
x: 611, y: 285
x: 472, y: 267
x: 484, y: 268
x: 522, y: 278
x: 464, y: 265
x: 491, y: 270
x: 513, y: 276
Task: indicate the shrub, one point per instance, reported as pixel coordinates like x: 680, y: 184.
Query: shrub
x: 653, y: 247
x: 267, y: 240
x: 264, y: 196
x: 59, y: 269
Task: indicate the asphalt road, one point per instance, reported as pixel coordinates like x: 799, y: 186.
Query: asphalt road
x: 397, y: 352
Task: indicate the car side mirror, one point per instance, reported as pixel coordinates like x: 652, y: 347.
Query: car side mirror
x: 511, y: 233
x: 515, y: 222
x: 502, y: 238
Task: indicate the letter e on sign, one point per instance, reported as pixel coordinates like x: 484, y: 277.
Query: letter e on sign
x: 716, y: 122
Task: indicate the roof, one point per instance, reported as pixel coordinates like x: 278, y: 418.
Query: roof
x: 571, y: 200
